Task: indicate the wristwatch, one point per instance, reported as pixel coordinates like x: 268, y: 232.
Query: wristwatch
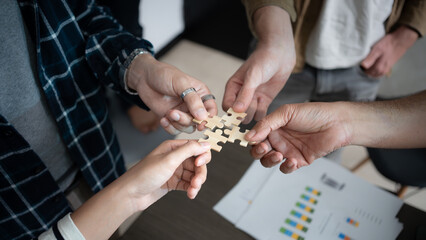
x: 126, y: 65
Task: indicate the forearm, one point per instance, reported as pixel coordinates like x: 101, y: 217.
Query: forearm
x: 102, y: 214
x: 389, y: 124
x: 272, y: 26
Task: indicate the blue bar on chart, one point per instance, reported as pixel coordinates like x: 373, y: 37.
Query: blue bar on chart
x: 309, y: 199
x: 352, y: 222
x: 296, y: 225
x: 344, y: 237
x: 291, y: 234
x: 304, y: 207
x: 313, y: 191
x: 301, y: 216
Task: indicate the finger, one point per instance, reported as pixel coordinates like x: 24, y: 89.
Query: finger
x: 203, y: 159
x: 232, y: 88
x: 378, y: 69
x: 187, y: 175
x: 261, y: 149
x: 271, y: 122
x: 262, y: 108
x: 211, y: 107
x: 165, y: 123
x: 200, y: 177
x: 190, y: 149
x: 246, y: 93
x: 181, y: 121
x: 371, y: 58
x: 271, y: 159
x: 289, y: 166
x: 195, y: 104
x: 250, y: 112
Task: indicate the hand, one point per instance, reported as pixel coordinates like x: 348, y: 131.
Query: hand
x: 300, y: 133
x: 159, y: 86
x: 258, y: 81
x: 388, y: 50
x: 174, y: 165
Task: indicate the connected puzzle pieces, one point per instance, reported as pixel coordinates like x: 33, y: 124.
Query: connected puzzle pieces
x: 230, y: 120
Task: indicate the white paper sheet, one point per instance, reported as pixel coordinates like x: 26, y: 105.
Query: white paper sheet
x: 343, y: 197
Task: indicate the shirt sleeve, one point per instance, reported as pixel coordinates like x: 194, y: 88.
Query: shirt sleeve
x: 108, y: 45
x: 65, y: 228
x: 252, y: 5
x: 414, y: 15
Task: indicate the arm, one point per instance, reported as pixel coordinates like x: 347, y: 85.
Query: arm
x: 174, y: 165
x: 304, y: 132
x: 158, y: 85
x: 388, y: 50
x: 257, y: 82
x: 410, y: 25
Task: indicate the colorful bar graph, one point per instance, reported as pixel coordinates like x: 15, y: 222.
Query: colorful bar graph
x: 344, y: 237
x: 313, y: 191
x: 296, y: 225
x: 301, y: 216
x: 291, y: 234
x: 304, y: 207
x: 309, y: 199
x: 352, y: 222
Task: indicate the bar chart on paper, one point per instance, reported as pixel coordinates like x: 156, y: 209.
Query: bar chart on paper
x: 323, y: 201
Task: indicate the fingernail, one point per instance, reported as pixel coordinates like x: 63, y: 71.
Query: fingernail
x: 260, y: 150
x: 164, y: 123
x: 205, y: 144
x: 251, y: 134
x: 175, y: 116
x: 201, y: 113
x: 238, y: 105
x: 201, y: 161
x: 290, y: 164
x: 276, y: 159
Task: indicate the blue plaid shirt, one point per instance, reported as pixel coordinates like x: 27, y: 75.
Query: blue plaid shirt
x: 79, y: 45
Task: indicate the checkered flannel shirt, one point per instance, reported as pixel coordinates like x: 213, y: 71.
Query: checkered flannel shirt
x: 79, y: 46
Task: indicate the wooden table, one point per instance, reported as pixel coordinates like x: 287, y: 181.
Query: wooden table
x: 177, y: 217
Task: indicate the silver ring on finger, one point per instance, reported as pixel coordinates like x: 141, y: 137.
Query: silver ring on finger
x: 207, y: 97
x: 186, y: 92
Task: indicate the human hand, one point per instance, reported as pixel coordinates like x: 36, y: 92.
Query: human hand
x: 387, y: 51
x: 300, y: 133
x: 258, y: 81
x: 160, y: 85
x: 174, y: 165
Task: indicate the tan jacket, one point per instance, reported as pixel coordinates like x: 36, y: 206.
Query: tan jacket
x: 304, y: 15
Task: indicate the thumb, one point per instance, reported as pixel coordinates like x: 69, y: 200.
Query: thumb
x: 370, y: 59
x: 252, y: 79
x: 185, y: 151
x: 271, y: 122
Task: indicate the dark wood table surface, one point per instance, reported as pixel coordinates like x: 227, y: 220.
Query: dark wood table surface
x: 177, y: 217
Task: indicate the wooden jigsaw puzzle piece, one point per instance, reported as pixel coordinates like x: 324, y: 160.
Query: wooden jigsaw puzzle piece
x: 214, y: 138
x: 235, y: 134
x: 233, y: 118
x: 212, y: 122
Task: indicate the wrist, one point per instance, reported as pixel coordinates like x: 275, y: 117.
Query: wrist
x: 405, y: 36
x: 130, y: 79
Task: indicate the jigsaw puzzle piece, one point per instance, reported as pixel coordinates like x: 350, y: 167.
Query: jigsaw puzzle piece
x: 233, y: 118
x: 235, y: 134
x: 214, y: 138
x: 212, y: 122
